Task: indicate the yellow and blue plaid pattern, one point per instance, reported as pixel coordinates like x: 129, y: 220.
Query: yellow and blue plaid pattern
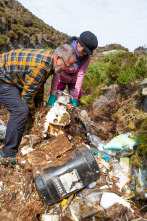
x: 27, y: 69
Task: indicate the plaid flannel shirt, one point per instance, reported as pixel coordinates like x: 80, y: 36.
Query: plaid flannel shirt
x: 28, y: 70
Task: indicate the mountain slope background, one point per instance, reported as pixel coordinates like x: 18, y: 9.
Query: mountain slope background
x: 19, y: 28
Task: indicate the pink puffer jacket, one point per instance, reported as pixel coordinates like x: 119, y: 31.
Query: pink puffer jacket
x: 73, y: 76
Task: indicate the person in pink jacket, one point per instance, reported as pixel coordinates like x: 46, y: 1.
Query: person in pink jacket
x: 73, y: 77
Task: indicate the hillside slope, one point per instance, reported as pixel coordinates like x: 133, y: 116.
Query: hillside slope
x: 19, y: 28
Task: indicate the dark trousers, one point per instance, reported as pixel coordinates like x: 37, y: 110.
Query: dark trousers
x: 10, y: 97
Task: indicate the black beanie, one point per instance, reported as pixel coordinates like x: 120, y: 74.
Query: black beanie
x: 88, y: 40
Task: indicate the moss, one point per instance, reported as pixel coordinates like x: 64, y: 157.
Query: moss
x: 142, y: 135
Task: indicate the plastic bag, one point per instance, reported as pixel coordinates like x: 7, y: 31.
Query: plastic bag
x: 3, y: 129
x: 109, y: 199
x: 123, y: 141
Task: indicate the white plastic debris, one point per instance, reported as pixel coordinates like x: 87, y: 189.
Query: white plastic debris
x: 1, y: 185
x: 122, y: 142
x: 120, y: 173
x: 124, y: 163
x: 92, y: 197
x: 75, y: 211
x: 109, y: 199
x: 141, y: 185
x: 49, y: 217
x: 26, y: 149
x: 3, y: 129
x: 56, y: 114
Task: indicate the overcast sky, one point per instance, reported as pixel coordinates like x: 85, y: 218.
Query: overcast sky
x: 112, y: 21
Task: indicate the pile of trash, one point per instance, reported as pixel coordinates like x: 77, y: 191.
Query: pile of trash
x: 64, y: 172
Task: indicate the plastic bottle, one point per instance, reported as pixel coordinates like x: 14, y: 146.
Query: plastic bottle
x: 98, y: 143
x: 94, y: 140
x: 91, y: 185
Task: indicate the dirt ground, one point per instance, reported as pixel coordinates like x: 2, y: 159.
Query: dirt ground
x: 19, y: 199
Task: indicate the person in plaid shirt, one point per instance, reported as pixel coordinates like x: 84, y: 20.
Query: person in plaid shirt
x: 23, y: 73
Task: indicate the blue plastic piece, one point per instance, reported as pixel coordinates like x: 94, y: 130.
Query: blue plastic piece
x: 103, y: 156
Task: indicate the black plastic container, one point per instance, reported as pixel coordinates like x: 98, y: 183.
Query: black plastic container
x: 56, y: 183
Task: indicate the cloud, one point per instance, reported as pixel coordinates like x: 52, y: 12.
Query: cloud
x: 113, y: 21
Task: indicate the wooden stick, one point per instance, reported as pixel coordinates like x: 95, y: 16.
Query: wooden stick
x: 67, y: 203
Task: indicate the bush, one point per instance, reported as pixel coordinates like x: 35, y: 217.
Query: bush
x: 113, y: 71
x: 3, y: 39
x: 143, y: 138
x: 125, y: 77
x: 120, y: 67
x: 10, y: 34
x: 16, y: 28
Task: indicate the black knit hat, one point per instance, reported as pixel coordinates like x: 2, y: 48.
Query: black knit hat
x: 88, y: 40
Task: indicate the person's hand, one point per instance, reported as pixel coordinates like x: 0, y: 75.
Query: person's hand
x: 51, y: 100
x: 74, y: 101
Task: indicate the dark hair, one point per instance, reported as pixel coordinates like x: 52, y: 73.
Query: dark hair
x: 70, y: 40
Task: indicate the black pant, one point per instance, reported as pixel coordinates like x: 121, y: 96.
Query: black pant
x: 10, y: 97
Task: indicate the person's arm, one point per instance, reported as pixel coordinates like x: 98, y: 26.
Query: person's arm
x: 80, y: 77
x: 32, y: 83
x: 54, y: 84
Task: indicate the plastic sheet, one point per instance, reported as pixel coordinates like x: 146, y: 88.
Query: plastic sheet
x: 3, y: 129
x: 123, y: 141
x: 109, y: 199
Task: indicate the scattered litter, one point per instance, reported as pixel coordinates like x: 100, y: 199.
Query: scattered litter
x: 26, y: 149
x: 75, y: 211
x: 91, y: 185
x: 1, y: 185
x: 61, y: 176
x: 123, y: 141
x: 68, y: 177
x: 141, y: 181
x: 67, y: 203
x: 109, y: 199
x: 49, y: 217
x: 3, y: 129
x: 124, y: 163
x: 92, y: 196
x: 64, y: 201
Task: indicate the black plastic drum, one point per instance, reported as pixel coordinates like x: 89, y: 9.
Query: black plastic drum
x: 56, y: 183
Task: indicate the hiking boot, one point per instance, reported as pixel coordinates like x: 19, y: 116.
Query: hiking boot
x: 7, y: 161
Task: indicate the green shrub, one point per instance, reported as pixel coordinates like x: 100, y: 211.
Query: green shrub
x: 120, y: 67
x: 126, y: 77
x: 113, y: 71
x: 3, y: 39
x: 10, y: 34
x: 16, y: 28
x: 143, y: 138
x: 140, y: 71
x: 142, y: 62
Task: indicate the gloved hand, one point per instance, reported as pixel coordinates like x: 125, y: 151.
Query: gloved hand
x: 51, y: 100
x: 74, y: 101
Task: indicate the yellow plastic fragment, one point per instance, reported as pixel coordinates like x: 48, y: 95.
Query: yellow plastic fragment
x: 63, y: 202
